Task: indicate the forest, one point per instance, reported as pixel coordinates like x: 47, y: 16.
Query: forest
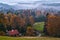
x: 29, y: 23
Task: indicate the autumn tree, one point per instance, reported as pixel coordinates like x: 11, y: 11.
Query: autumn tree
x: 31, y: 19
x: 30, y: 31
x: 53, y: 25
x: 2, y: 28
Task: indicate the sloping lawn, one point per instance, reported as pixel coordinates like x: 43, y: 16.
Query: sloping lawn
x: 27, y: 38
x: 39, y: 26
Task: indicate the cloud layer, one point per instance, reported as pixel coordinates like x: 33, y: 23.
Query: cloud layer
x: 13, y: 2
x: 27, y: 3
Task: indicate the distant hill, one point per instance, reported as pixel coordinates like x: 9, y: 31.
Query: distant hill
x: 52, y: 4
x: 5, y: 8
x: 48, y: 7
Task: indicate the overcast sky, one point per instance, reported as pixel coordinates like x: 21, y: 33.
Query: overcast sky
x: 27, y: 3
x: 24, y: 1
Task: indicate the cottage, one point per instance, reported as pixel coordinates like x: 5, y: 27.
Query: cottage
x: 13, y: 32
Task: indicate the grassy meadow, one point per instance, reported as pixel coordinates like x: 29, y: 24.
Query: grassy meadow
x: 39, y: 26
x: 27, y: 38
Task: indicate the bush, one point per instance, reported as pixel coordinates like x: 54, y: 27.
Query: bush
x: 2, y: 33
x: 30, y: 31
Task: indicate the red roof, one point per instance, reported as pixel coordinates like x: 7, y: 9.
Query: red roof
x: 13, y: 32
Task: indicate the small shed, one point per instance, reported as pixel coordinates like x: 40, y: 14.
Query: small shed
x: 13, y: 32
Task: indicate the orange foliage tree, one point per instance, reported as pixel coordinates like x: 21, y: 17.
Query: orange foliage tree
x: 31, y: 19
x: 53, y: 25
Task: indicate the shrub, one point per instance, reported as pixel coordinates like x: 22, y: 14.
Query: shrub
x: 30, y: 31
x: 2, y: 33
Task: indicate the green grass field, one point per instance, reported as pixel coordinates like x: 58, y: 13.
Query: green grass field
x: 28, y: 38
x: 39, y: 26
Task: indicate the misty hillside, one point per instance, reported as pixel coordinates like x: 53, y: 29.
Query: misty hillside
x: 47, y: 7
